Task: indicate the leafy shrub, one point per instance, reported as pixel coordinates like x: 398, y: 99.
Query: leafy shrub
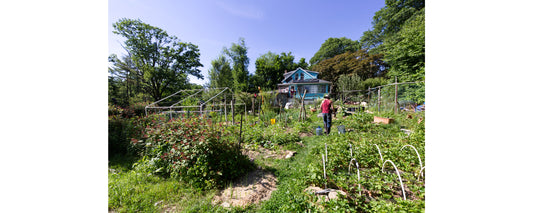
x: 122, y: 128
x: 138, y: 108
x: 193, y: 150
x: 117, y: 130
x: 114, y: 110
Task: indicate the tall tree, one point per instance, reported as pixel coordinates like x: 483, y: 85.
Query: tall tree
x: 303, y: 64
x: 127, y: 83
x: 334, y: 46
x: 388, y: 21
x: 162, y: 60
x: 270, y: 67
x: 359, y: 63
x: 287, y: 62
x: 220, y: 74
x: 268, y: 70
x: 406, y: 55
x: 406, y: 51
x: 239, y: 58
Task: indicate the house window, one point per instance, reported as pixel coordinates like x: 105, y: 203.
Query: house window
x: 309, y: 88
x: 312, y: 89
x: 289, y: 79
x: 321, y: 88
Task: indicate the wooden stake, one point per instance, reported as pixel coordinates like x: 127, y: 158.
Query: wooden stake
x: 396, y: 95
x: 225, y: 110
x: 302, y: 106
x: 240, y: 134
x: 232, y: 112
x: 379, y: 98
x: 368, y: 96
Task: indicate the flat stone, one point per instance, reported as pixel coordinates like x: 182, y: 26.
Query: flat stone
x: 334, y: 194
x: 289, y: 155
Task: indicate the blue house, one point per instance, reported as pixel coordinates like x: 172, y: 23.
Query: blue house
x: 295, y: 82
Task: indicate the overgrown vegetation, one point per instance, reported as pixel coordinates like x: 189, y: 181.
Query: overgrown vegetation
x: 157, y: 164
x: 174, y: 162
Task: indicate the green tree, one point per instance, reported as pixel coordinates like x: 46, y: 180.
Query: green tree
x: 349, y: 82
x: 287, y: 62
x: 388, y: 21
x: 303, y: 64
x: 406, y: 51
x: 359, y: 63
x: 220, y: 74
x: 406, y: 54
x: 124, y: 80
x: 334, y: 46
x: 270, y: 68
x: 239, y: 58
x: 162, y: 60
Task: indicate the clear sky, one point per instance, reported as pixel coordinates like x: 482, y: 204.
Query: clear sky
x: 278, y: 26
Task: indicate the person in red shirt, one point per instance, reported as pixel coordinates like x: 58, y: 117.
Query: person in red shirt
x: 327, y: 108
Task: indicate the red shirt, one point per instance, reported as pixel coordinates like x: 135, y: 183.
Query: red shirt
x: 326, y: 106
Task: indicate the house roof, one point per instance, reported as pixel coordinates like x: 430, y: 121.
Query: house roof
x: 289, y: 74
x: 313, y: 81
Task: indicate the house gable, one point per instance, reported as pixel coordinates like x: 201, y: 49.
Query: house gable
x: 299, y: 75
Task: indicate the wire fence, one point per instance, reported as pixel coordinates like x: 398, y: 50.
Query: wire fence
x: 395, y: 97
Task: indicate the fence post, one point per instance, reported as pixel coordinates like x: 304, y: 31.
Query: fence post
x: 225, y: 110
x: 379, y: 99
x: 368, y: 100
x: 396, y: 94
x: 253, y: 106
x: 232, y: 112
x: 240, y: 133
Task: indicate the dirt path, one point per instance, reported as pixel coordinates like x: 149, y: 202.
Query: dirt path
x: 255, y: 187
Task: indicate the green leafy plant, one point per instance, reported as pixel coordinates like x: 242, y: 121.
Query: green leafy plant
x: 192, y: 150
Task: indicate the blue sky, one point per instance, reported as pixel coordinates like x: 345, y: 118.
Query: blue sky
x: 279, y: 26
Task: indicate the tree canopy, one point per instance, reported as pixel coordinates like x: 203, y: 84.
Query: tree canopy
x: 406, y: 51
x: 388, y: 21
x: 163, y: 61
x: 220, y: 74
x: 359, y: 63
x: 334, y: 46
x: 239, y: 61
x: 270, y: 68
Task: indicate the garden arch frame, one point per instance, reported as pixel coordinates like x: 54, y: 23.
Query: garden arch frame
x: 217, y: 101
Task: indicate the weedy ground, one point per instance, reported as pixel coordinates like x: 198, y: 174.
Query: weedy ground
x: 130, y: 190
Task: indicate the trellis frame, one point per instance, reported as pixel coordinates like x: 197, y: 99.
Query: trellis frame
x: 171, y: 109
